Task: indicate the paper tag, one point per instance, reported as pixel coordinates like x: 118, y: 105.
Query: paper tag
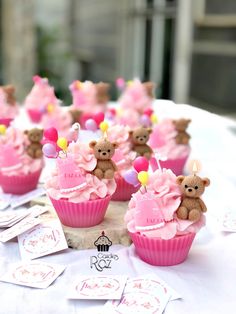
x: 25, y: 198
x: 46, y: 238
x: 228, y: 222
x: 22, y: 226
x: 33, y: 274
x: 5, y: 201
x: 98, y: 287
x: 37, y: 210
x: 11, y: 218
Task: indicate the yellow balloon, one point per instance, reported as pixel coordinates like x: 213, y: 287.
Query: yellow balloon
x: 129, y: 83
x: 154, y: 118
x: 62, y: 143
x: 143, y: 177
x: 2, y: 129
x: 50, y: 108
x: 103, y: 126
x: 78, y: 84
x: 119, y: 112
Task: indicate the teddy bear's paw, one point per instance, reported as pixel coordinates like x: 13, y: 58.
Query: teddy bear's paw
x: 182, y: 212
x: 147, y: 155
x: 109, y: 174
x: 194, y: 215
x: 98, y: 173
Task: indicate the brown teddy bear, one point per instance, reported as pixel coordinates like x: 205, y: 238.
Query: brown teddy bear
x: 182, y: 136
x: 149, y: 86
x: 192, y: 206
x: 102, y: 92
x: 75, y: 115
x: 103, y: 151
x: 34, y: 149
x: 9, y: 91
x: 139, y: 138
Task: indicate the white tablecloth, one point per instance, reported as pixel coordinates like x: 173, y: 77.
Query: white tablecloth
x: 206, y: 280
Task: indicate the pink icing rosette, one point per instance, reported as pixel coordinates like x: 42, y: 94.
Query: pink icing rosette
x: 7, y: 111
x: 93, y: 189
x: 128, y: 117
x: 135, y: 97
x: 162, y: 140
x: 19, y: 141
x: 123, y: 156
x: 153, y: 213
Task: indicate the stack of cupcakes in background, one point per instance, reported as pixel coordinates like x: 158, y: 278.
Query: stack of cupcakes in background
x: 8, y: 106
x: 165, y: 215
x: 21, y: 160
x: 80, y: 188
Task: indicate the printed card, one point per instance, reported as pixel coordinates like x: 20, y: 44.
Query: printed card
x: 228, y: 222
x: 18, y: 228
x: 44, y: 239
x: 98, y: 287
x: 37, y: 210
x: 33, y: 274
x: 4, y: 201
x: 17, y: 201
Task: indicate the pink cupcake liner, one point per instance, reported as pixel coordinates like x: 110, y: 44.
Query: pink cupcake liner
x: 6, y: 121
x: 176, y: 165
x: 124, y: 190
x: 35, y: 115
x: 20, y: 184
x: 158, y: 252
x: 81, y: 215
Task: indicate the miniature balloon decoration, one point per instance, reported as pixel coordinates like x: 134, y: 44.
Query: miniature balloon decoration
x: 91, y: 125
x: 51, y: 134
x: 103, y: 126
x: 50, y: 108
x: 99, y: 117
x: 154, y: 118
x: 49, y: 150
x: 62, y: 143
x: 131, y: 177
x: 148, y: 112
x: 3, y: 129
x: 145, y: 120
x: 143, y: 177
x: 141, y: 164
x: 120, y: 83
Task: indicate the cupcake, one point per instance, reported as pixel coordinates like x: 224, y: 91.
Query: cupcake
x: 134, y: 100
x: 164, y: 218
x: 79, y: 188
x: 170, y: 141
x: 103, y: 243
x: 21, y: 160
x: 8, y: 105
x: 88, y: 98
x: 123, y: 159
x: 41, y: 99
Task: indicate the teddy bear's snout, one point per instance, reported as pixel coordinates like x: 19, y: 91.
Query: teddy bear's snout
x: 190, y: 190
x: 104, y: 153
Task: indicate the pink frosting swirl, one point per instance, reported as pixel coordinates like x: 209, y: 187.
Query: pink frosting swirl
x: 20, y: 141
x: 128, y: 117
x: 162, y: 141
x: 7, y: 111
x: 94, y: 187
x: 123, y: 156
x: 41, y: 95
x: 135, y: 97
x: 155, y: 209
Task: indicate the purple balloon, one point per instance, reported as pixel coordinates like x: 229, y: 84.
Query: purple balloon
x: 49, y: 150
x: 145, y: 120
x: 91, y: 125
x: 131, y: 177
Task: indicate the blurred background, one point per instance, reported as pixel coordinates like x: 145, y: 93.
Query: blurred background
x: 187, y: 47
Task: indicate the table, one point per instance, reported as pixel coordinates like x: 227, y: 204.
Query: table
x: 206, y: 280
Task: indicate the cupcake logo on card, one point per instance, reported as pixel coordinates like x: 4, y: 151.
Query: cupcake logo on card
x: 103, y: 259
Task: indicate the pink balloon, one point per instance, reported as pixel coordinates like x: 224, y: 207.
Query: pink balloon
x: 99, y: 117
x: 141, y: 164
x: 91, y: 125
x: 148, y: 112
x: 145, y: 120
x: 131, y: 177
x: 49, y: 150
x: 51, y: 134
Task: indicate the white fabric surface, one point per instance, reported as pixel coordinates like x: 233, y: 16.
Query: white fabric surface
x: 206, y: 280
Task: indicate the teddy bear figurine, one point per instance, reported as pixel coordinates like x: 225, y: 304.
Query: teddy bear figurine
x: 102, y: 92
x: 103, y: 151
x: 182, y: 136
x: 34, y: 149
x: 192, y: 206
x: 139, y: 138
x: 9, y: 91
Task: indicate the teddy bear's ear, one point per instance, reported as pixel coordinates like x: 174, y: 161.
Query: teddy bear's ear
x: 92, y: 144
x: 189, y: 120
x: 131, y: 133
x: 180, y: 179
x: 149, y: 130
x: 115, y: 145
x: 26, y: 132
x: 206, y: 181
